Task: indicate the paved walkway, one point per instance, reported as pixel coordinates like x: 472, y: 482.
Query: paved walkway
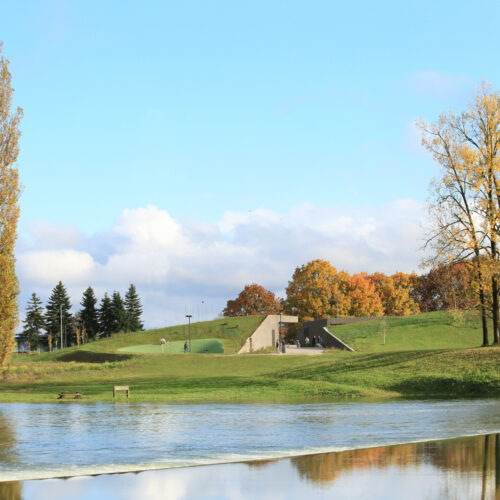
x: 304, y: 351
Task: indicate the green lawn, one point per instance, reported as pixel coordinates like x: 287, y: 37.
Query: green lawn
x: 425, y: 355
x: 436, y: 330
x: 210, y: 346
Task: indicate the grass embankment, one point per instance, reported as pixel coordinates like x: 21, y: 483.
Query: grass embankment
x: 211, y: 346
x: 451, y: 372
x: 436, y: 330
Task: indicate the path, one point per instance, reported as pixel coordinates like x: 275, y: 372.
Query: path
x: 304, y: 351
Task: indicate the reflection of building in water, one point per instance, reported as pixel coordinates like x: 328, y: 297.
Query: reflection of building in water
x: 11, y: 490
x: 474, y: 457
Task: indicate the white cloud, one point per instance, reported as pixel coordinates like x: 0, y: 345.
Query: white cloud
x: 176, y: 263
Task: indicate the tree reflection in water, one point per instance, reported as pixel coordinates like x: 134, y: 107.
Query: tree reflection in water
x: 11, y: 490
x: 477, y: 455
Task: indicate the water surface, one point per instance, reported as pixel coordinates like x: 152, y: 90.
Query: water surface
x: 465, y: 468
x: 71, y: 439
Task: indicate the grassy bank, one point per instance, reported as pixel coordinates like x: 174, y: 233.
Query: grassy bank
x: 404, y: 369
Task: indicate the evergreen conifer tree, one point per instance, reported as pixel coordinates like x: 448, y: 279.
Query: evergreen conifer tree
x: 88, y: 315
x: 119, y: 314
x: 34, y: 322
x: 106, y: 317
x: 58, y: 307
x: 133, y: 309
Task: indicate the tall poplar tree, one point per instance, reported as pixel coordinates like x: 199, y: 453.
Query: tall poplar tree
x: 88, y: 315
x: 34, y: 322
x: 9, y: 210
x: 133, y: 309
x: 57, y: 315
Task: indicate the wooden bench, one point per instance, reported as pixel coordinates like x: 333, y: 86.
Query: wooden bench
x: 117, y: 388
x: 68, y: 394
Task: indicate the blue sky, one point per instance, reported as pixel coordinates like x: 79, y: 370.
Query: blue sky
x: 209, y: 112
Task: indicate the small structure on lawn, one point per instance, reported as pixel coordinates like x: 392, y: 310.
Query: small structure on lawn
x: 267, y: 333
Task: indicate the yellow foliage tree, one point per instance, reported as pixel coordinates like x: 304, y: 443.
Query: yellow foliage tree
x: 466, y: 199
x: 313, y: 286
x: 9, y: 210
x: 395, y: 292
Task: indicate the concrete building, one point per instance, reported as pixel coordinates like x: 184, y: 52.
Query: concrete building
x: 267, y: 333
x: 318, y: 328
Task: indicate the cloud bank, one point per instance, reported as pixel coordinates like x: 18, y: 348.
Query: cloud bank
x: 178, y: 263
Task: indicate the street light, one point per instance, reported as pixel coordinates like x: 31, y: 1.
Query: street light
x: 280, y: 326
x: 189, y: 316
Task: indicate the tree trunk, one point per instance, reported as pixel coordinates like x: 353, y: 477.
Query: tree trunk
x: 482, y: 301
x: 494, y: 289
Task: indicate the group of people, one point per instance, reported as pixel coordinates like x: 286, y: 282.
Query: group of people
x: 315, y: 341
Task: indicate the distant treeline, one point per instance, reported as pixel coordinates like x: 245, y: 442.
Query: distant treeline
x: 55, y: 325
x: 318, y: 290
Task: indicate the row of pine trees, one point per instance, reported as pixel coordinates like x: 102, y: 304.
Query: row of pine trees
x: 114, y: 314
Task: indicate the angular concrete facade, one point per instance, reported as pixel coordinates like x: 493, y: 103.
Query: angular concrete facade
x: 319, y: 328
x: 267, y: 333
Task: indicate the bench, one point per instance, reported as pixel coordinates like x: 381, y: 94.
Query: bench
x: 117, y: 388
x: 68, y: 394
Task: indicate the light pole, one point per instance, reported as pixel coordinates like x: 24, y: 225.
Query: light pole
x: 189, y: 316
x: 280, y: 327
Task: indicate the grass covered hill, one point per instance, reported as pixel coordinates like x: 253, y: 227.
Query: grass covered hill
x: 435, y: 330
x: 229, y: 335
x: 427, y: 355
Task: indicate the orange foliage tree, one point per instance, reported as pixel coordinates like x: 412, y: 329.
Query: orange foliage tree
x: 447, y: 286
x: 253, y: 299
x: 363, y: 296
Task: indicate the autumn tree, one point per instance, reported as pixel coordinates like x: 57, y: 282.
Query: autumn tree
x: 9, y: 210
x: 315, y: 292
x: 88, y: 315
x: 457, y: 231
x: 478, y: 129
x: 447, y: 287
x: 58, y: 316
x: 34, y: 323
x: 253, y: 299
x: 363, y: 297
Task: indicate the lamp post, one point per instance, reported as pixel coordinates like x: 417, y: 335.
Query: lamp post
x: 280, y: 327
x: 189, y: 316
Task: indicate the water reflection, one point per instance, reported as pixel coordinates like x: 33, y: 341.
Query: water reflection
x: 9, y: 490
x: 460, y: 468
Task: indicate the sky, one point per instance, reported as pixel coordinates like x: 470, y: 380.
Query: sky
x: 194, y: 147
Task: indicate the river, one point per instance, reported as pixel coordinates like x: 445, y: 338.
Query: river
x: 40, y: 441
